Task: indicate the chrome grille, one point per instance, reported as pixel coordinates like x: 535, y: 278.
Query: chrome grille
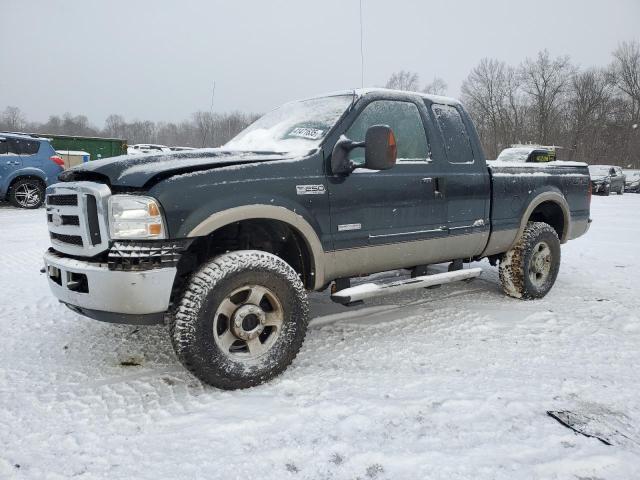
x: 77, y: 217
x: 72, y: 239
x: 62, y: 199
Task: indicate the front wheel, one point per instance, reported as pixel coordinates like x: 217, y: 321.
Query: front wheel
x: 241, y: 321
x: 27, y: 193
x: 531, y: 267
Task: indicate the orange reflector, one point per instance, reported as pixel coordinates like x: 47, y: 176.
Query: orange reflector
x: 393, y: 149
x: 155, y: 229
x: 153, y: 210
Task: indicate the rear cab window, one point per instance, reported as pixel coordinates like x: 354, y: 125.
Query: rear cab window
x: 405, y: 121
x: 454, y: 134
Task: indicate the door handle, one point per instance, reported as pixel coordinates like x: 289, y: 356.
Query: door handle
x: 438, y: 186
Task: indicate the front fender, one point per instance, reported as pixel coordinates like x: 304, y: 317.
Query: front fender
x: 297, y: 217
x: 23, y: 172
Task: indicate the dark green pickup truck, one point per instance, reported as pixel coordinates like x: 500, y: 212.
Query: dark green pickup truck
x: 223, y: 244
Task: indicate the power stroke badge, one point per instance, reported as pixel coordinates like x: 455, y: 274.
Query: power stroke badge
x: 310, y: 189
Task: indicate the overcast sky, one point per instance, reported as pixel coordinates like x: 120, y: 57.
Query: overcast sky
x: 157, y: 60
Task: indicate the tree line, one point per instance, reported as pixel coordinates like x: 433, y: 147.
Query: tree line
x: 591, y: 113
x: 203, y: 129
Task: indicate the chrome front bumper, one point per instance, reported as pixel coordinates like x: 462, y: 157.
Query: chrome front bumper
x: 92, y: 289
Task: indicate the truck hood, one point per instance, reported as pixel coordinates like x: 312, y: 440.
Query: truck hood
x: 141, y: 170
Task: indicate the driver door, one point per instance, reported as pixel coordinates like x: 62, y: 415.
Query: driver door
x: 381, y: 208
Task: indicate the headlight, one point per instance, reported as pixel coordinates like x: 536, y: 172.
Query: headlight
x: 135, y: 216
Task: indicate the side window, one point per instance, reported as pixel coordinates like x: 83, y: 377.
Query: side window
x: 405, y: 121
x: 13, y: 145
x: 19, y: 146
x: 4, y: 147
x: 29, y: 147
x: 454, y: 134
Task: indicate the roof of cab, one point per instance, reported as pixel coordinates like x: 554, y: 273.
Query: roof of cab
x: 361, y: 92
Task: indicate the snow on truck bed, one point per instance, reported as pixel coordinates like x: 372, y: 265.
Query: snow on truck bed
x: 446, y: 383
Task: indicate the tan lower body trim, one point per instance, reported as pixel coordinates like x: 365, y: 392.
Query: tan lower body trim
x: 380, y: 258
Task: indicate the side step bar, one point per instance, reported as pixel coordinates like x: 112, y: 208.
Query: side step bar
x: 368, y: 290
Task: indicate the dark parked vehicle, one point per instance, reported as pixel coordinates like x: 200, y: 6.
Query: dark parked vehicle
x: 224, y: 243
x: 606, y: 179
x: 632, y: 181
x: 27, y: 166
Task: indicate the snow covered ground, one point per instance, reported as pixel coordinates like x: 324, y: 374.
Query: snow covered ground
x: 448, y: 383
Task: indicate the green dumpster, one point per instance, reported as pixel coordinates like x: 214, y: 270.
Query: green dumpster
x: 97, y: 147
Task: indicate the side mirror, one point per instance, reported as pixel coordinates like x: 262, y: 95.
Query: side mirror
x: 380, y: 146
x: 380, y: 151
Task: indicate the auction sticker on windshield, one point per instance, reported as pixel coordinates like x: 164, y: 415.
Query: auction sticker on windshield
x: 304, y: 132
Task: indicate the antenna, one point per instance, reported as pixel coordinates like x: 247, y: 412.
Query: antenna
x: 361, y: 51
x: 213, y: 93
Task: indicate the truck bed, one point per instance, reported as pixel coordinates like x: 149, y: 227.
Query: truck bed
x: 516, y: 188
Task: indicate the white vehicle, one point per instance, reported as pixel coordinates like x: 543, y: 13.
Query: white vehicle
x: 181, y: 149
x: 141, y: 148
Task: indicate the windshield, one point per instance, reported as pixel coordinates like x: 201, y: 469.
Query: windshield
x: 599, y: 170
x: 514, y: 155
x: 295, y: 126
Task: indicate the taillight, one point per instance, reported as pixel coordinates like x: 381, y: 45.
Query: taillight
x: 589, y: 192
x: 57, y: 160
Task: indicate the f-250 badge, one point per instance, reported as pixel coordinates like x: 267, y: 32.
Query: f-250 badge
x: 310, y: 189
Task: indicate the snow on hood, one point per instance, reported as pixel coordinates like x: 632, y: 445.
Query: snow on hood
x: 136, y: 171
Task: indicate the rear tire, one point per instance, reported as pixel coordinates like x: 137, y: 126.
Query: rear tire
x: 27, y: 193
x: 241, y: 321
x: 531, y: 267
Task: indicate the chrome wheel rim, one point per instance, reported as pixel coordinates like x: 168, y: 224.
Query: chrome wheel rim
x: 248, y: 322
x: 27, y: 195
x: 540, y: 264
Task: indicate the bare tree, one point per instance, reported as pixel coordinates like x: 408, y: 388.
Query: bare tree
x: 625, y: 71
x: 545, y: 82
x: 626, y: 74
x: 437, y: 87
x: 114, y: 126
x: 589, y: 100
x: 13, y: 119
x: 485, y: 93
x: 404, y: 80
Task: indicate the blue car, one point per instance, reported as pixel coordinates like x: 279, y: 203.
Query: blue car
x: 28, y: 165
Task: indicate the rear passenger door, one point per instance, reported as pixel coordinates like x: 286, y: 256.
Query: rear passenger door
x: 466, y: 184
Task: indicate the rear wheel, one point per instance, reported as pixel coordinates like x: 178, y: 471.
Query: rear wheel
x: 27, y: 193
x: 531, y: 267
x: 241, y: 321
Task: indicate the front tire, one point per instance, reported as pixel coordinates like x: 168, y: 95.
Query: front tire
x: 531, y: 267
x: 27, y: 193
x: 241, y: 321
